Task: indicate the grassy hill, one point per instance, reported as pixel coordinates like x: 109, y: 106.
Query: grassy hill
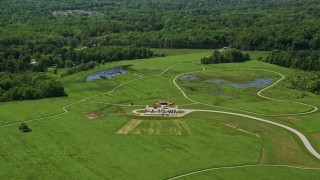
x: 69, y: 145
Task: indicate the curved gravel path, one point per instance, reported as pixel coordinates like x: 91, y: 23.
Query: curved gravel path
x: 304, y: 140
x: 314, y: 108
x: 299, y: 134
x: 65, y: 110
x: 236, y: 167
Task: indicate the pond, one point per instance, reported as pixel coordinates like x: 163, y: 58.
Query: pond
x: 107, y: 73
x: 189, y: 77
x: 257, y: 83
x: 220, y: 94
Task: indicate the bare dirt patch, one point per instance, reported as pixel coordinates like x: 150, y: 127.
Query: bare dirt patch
x: 93, y: 115
x: 155, y: 127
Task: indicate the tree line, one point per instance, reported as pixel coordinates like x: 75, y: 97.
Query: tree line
x: 28, y: 86
x: 21, y: 66
x: 33, y: 38
x: 37, y: 58
x: 225, y: 56
x: 305, y: 81
x: 307, y: 60
x: 242, y: 24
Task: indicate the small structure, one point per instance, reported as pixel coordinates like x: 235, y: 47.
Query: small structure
x: 33, y: 62
x: 224, y: 48
x: 165, y: 103
x: 161, y: 111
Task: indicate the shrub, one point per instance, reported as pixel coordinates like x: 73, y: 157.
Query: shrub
x: 24, y: 127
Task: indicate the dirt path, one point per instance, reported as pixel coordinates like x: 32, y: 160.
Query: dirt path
x: 299, y: 134
x: 237, y: 167
x: 314, y: 108
x: 304, y: 140
x: 65, y: 110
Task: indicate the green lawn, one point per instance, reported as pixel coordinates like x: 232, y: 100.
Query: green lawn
x: 232, y: 97
x: 71, y: 146
x: 285, y: 173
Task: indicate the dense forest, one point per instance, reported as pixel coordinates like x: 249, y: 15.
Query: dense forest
x: 307, y: 60
x: 225, y: 56
x: 37, y: 58
x: 242, y: 24
x: 17, y: 62
x: 28, y: 86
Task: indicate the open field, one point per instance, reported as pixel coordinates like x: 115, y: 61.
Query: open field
x: 257, y: 172
x: 116, y: 144
x: 225, y: 95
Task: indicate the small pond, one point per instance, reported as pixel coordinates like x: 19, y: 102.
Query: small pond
x: 257, y: 83
x: 189, y: 77
x: 219, y: 93
x: 107, y: 73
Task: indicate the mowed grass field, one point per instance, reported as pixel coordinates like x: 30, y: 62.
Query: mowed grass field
x: 119, y: 145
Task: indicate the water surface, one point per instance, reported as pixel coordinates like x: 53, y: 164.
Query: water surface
x: 257, y: 83
x: 107, y: 73
x: 189, y: 77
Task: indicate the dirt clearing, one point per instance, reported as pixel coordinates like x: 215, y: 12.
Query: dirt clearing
x: 93, y: 115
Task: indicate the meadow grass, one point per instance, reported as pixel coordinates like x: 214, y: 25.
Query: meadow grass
x: 73, y: 147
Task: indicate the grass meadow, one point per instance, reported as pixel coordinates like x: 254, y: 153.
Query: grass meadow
x: 71, y: 146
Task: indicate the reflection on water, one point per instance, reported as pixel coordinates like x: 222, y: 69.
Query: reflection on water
x: 107, y: 73
x: 221, y: 94
x: 257, y: 83
x: 189, y: 77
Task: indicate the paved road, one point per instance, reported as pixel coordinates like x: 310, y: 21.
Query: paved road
x: 299, y: 134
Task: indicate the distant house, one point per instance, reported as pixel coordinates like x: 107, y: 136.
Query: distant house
x: 165, y: 103
x: 224, y: 48
x: 33, y: 62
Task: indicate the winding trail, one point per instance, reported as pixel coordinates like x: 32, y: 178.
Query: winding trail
x: 236, y: 167
x: 314, y: 108
x: 65, y: 110
x: 304, y: 140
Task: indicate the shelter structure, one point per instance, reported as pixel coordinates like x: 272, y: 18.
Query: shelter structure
x: 161, y: 111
